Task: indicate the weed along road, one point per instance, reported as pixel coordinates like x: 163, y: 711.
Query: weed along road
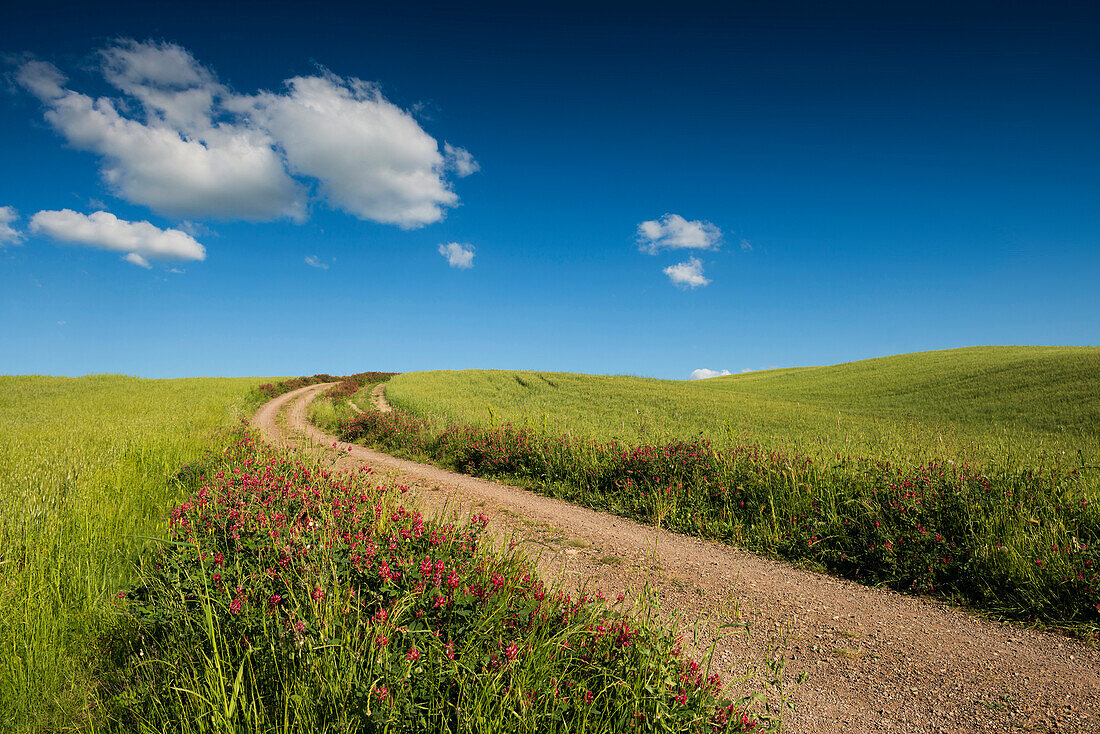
x: 878, y: 661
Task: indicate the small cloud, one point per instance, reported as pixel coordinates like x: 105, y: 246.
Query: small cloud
x: 62, y: 323
x: 687, y: 274
x: 8, y: 234
x: 41, y: 79
x: 703, y: 374
x: 135, y: 259
x: 459, y: 160
x: 673, y: 232
x: 195, y: 229
x: 458, y: 256
x: 314, y: 262
x: 746, y: 246
x: 139, y: 241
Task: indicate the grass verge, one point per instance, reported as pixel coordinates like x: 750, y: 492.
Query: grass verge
x: 291, y: 599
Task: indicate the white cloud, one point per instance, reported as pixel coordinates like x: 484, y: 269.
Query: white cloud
x: 703, y: 373
x: 140, y: 241
x: 195, y: 229
x: 8, y: 234
x: 173, y: 88
x: 673, y: 232
x: 179, y: 161
x: 314, y: 262
x: 193, y: 148
x: 746, y: 246
x: 372, y: 159
x: 687, y: 274
x: 41, y: 79
x: 460, y: 161
x: 458, y: 256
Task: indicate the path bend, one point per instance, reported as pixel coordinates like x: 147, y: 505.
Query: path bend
x: 878, y: 661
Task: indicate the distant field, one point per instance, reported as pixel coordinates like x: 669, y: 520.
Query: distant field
x: 85, y: 472
x: 977, y: 404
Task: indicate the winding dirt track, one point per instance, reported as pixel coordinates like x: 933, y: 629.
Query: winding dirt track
x: 878, y: 661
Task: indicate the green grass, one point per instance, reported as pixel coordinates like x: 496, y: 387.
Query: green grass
x: 971, y: 474
x: 85, y: 473
x: 327, y: 412
x: 979, y: 404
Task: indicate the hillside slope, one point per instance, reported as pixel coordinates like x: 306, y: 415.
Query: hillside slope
x: 973, y: 403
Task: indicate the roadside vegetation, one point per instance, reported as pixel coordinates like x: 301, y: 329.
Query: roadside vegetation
x: 346, y: 387
x: 348, y: 397
x: 291, y: 598
x: 948, y: 476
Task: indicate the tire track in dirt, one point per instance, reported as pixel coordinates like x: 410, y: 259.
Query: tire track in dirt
x: 878, y: 661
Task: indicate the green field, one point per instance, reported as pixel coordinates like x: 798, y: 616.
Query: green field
x: 979, y: 404
x: 970, y: 474
x: 147, y: 585
x: 85, y: 472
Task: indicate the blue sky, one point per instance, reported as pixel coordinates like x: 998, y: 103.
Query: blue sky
x: 821, y: 185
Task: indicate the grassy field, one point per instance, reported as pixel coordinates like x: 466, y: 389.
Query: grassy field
x: 161, y: 569
x: 970, y: 474
x: 85, y: 474
x: 979, y: 404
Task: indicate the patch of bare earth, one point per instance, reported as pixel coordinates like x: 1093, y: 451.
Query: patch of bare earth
x: 878, y: 661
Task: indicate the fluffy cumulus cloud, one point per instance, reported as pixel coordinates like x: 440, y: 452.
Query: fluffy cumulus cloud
x: 8, y: 234
x: 458, y: 256
x: 687, y: 274
x: 182, y: 143
x: 371, y: 157
x: 673, y: 232
x: 139, y: 241
x: 178, y: 160
x: 703, y: 373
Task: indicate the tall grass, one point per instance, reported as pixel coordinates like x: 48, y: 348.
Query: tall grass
x: 86, y: 469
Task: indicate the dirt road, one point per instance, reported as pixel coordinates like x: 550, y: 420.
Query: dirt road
x: 878, y: 661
